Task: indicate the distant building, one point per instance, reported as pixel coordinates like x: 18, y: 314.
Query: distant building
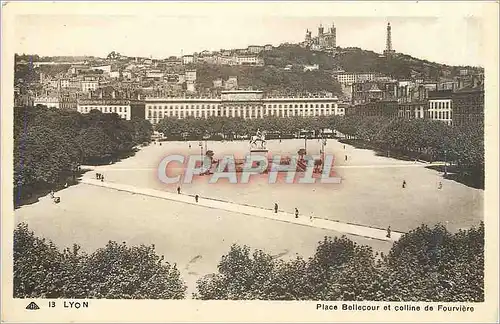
x: 68, y: 102
x: 190, y: 75
x: 190, y: 86
x: 49, y: 100
x: 325, y: 41
x: 373, y: 91
x: 217, y: 83
x: 440, y: 106
x: 249, y: 60
x: 468, y: 106
x: 231, y: 83
x: 188, y: 59
x: 413, y: 110
x: 106, y: 106
x: 114, y: 74
x: 65, y: 83
x: 350, y: 78
x: 103, y: 68
x: 380, y: 108
x: 155, y: 74
x: 268, y: 47
x: 255, y: 49
x: 313, y: 67
x: 89, y: 85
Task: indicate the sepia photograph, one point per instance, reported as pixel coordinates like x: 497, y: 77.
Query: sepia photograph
x: 329, y: 158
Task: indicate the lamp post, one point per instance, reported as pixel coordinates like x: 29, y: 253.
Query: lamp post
x: 445, y: 164
x: 305, y: 143
x: 201, y: 148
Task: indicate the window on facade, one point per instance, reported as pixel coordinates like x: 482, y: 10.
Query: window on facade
x: 182, y: 114
x: 327, y: 106
x: 321, y: 106
x: 120, y: 109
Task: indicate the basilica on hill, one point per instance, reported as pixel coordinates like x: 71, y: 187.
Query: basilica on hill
x: 325, y: 41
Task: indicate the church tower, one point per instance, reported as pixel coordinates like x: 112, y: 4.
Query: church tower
x: 321, y: 29
x: 333, y: 32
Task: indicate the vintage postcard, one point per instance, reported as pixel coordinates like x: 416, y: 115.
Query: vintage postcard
x: 249, y: 162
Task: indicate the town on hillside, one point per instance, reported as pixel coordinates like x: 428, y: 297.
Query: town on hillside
x: 312, y: 78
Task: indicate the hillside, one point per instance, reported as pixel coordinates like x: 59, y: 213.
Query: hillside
x: 274, y: 77
x: 269, y: 78
x: 354, y: 59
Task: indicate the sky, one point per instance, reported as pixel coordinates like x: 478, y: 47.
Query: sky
x: 455, y: 40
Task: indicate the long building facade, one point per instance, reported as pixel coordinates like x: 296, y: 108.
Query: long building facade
x: 240, y: 103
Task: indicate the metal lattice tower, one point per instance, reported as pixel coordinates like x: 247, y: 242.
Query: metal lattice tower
x: 388, y: 44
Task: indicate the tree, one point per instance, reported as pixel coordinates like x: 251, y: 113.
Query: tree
x: 121, y: 272
x: 115, y: 271
x: 424, y: 265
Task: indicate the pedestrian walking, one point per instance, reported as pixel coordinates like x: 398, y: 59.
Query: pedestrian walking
x: 179, y: 190
x: 388, y: 232
x: 311, y: 217
x: 346, y: 158
x: 404, y: 184
x: 196, y: 198
x: 275, y: 208
x: 102, y: 178
x: 440, y: 185
x: 189, y: 145
x: 296, y: 213
x: 344, y: 147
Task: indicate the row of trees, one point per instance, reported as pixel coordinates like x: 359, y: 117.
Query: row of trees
x: 232, y: 127
x: 426, y: 264
x: 115, y: 271
x: 416, y: 138
x: 461, y: 145
x: 50, y: 144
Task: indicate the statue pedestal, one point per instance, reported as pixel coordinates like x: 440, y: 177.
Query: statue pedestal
x: 258, y: 151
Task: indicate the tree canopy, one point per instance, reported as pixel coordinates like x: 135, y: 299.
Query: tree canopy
x: 426, y: 264
x: 115, y: 271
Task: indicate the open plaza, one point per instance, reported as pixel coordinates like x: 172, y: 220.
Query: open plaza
x: 194, y: 235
